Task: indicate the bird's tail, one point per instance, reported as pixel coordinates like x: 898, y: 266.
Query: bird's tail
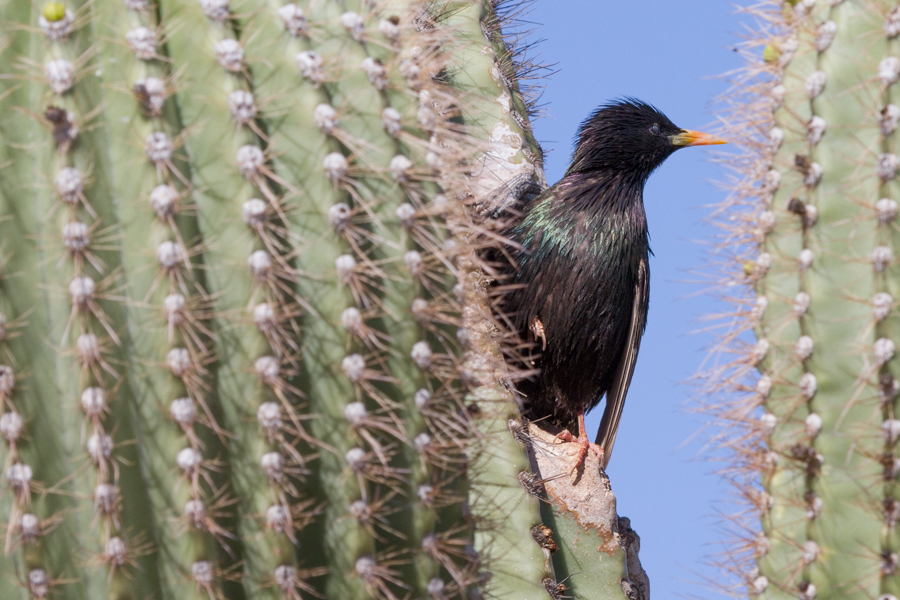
x: 609, y: 425
x: 618, y: 389
x: 615, y: 399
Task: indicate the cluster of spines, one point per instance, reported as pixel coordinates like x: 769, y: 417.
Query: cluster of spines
x: 407, y: 457
x: 23, y: 527
x: 275, y: 308
x: 881, y: 448
x: 799, y: 220
x: 258, y: 310
x: 90, y: 333
x: 177, y: 293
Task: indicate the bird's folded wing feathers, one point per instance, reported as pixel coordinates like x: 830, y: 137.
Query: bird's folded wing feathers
x: 615, y: 396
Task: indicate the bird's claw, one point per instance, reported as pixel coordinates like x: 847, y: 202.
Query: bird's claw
x: 566, y: 436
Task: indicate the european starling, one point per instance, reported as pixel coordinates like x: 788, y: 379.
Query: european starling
x: 581, y: 282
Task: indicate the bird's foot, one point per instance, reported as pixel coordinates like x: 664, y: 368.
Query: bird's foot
x: 584, y: 442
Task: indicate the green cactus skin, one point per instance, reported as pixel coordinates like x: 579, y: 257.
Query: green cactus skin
x: 286, y: 313
x: 814, y: 215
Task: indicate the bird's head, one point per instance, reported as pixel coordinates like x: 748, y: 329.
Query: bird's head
x: 630, y: 138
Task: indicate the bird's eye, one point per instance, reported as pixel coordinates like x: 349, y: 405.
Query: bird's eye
x: 654, y: 129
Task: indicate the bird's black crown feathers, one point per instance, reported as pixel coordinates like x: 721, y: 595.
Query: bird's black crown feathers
x: 627, y: 136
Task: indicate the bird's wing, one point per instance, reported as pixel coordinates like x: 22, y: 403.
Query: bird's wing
x: 615, y: 396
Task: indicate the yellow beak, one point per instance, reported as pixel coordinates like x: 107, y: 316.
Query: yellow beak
x: 695, y: 138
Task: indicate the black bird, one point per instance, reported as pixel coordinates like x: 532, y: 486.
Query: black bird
x: 581, y: 280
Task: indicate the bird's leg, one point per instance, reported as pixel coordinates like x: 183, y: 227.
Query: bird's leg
x: 581, y: 440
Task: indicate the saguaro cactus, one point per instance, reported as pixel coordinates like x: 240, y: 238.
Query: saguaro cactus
x: 245, y: 345
x: 812, y: 401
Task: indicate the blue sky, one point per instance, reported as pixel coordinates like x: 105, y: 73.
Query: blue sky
x: 667, y: 53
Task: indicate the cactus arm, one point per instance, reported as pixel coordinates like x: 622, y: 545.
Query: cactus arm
x: 135, y: 177
x: 517, y: 561
x: 34, y: 398
x: 816, y: 429
x: 591, y: 561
